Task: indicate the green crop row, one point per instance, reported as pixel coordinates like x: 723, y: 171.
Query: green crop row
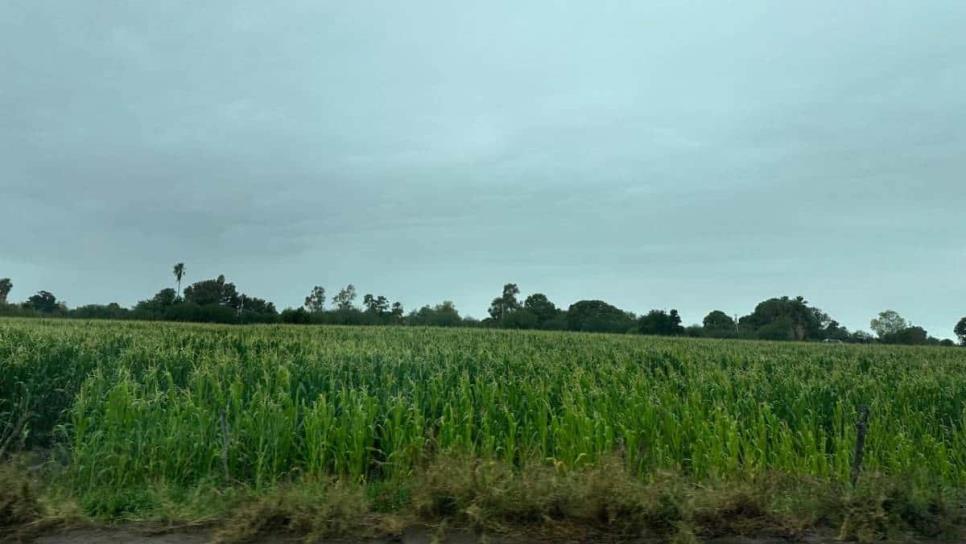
x: 184, y: 405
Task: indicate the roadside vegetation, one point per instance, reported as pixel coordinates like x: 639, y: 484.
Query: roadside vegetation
x: 352, y: 430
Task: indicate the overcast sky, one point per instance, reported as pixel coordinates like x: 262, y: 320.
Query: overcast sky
x: 695, y: 156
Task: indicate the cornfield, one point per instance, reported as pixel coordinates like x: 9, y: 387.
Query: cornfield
x: 136, y: 404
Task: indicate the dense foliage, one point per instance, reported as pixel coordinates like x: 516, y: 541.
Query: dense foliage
x: 219, y: 301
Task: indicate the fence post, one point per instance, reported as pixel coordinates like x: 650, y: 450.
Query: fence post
x: 861, y: 426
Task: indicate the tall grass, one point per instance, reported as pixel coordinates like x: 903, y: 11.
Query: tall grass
x: 183, y: 405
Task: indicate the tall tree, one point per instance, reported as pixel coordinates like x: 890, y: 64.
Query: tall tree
x: 785, y: 318
x: 343, y: 300
x: 315, y: 302
x: 913, y: 336
x: 5, y: 287
x: 178, y: 274
x: 396, y: 312
x: 719, y: 324
x: 598, y: 316
x: 505, y: 303
x: 44, y: 302
x: 540, y: 306
x: 960, y: 331
x: 661, y: 323
x: 378, y: 306
x: 216, y: 291
x: 888, y: 323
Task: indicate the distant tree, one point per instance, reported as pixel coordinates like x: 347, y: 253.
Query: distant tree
x: 781, y: 328
x: 178, y: 274
x: 557, y: 323
x: 98, y: 311
x: 376, y: 306
x: 213, y: 292
x: 441, y: 315
x: 888, y: 323
x: 447, y: 315
x: 44, y: 302
x: 598, y: 316
x: 960, y: 331
x: 694, y: 331
x: 5, y: 287
x: 719, y: 324
x: 659, y: 322
x: 505, y: 303
x: 835, y: 331
x: 295, y: 316
x: 396, y: 313
x: 345, y: 297
x: 785, y: 319
x: 256, y: 305
x: 209, y: 313
x: 542, y: 309
x: 164, y: 298
x: 520, y: 319
x: 913, y: 336
x: 315, y: 302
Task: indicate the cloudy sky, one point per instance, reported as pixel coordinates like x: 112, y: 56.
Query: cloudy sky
x: 651, y: 154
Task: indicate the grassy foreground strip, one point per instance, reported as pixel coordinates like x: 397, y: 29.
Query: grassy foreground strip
x: 337, y: 430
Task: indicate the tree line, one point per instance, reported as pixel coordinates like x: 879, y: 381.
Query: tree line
x: 219, y: 301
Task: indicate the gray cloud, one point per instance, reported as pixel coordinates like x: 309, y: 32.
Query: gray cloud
x: 655, y: 154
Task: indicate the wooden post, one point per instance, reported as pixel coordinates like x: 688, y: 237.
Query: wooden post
x: 861, y: 426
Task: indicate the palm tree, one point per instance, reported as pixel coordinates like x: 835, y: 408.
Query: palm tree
x: 179, y: 273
